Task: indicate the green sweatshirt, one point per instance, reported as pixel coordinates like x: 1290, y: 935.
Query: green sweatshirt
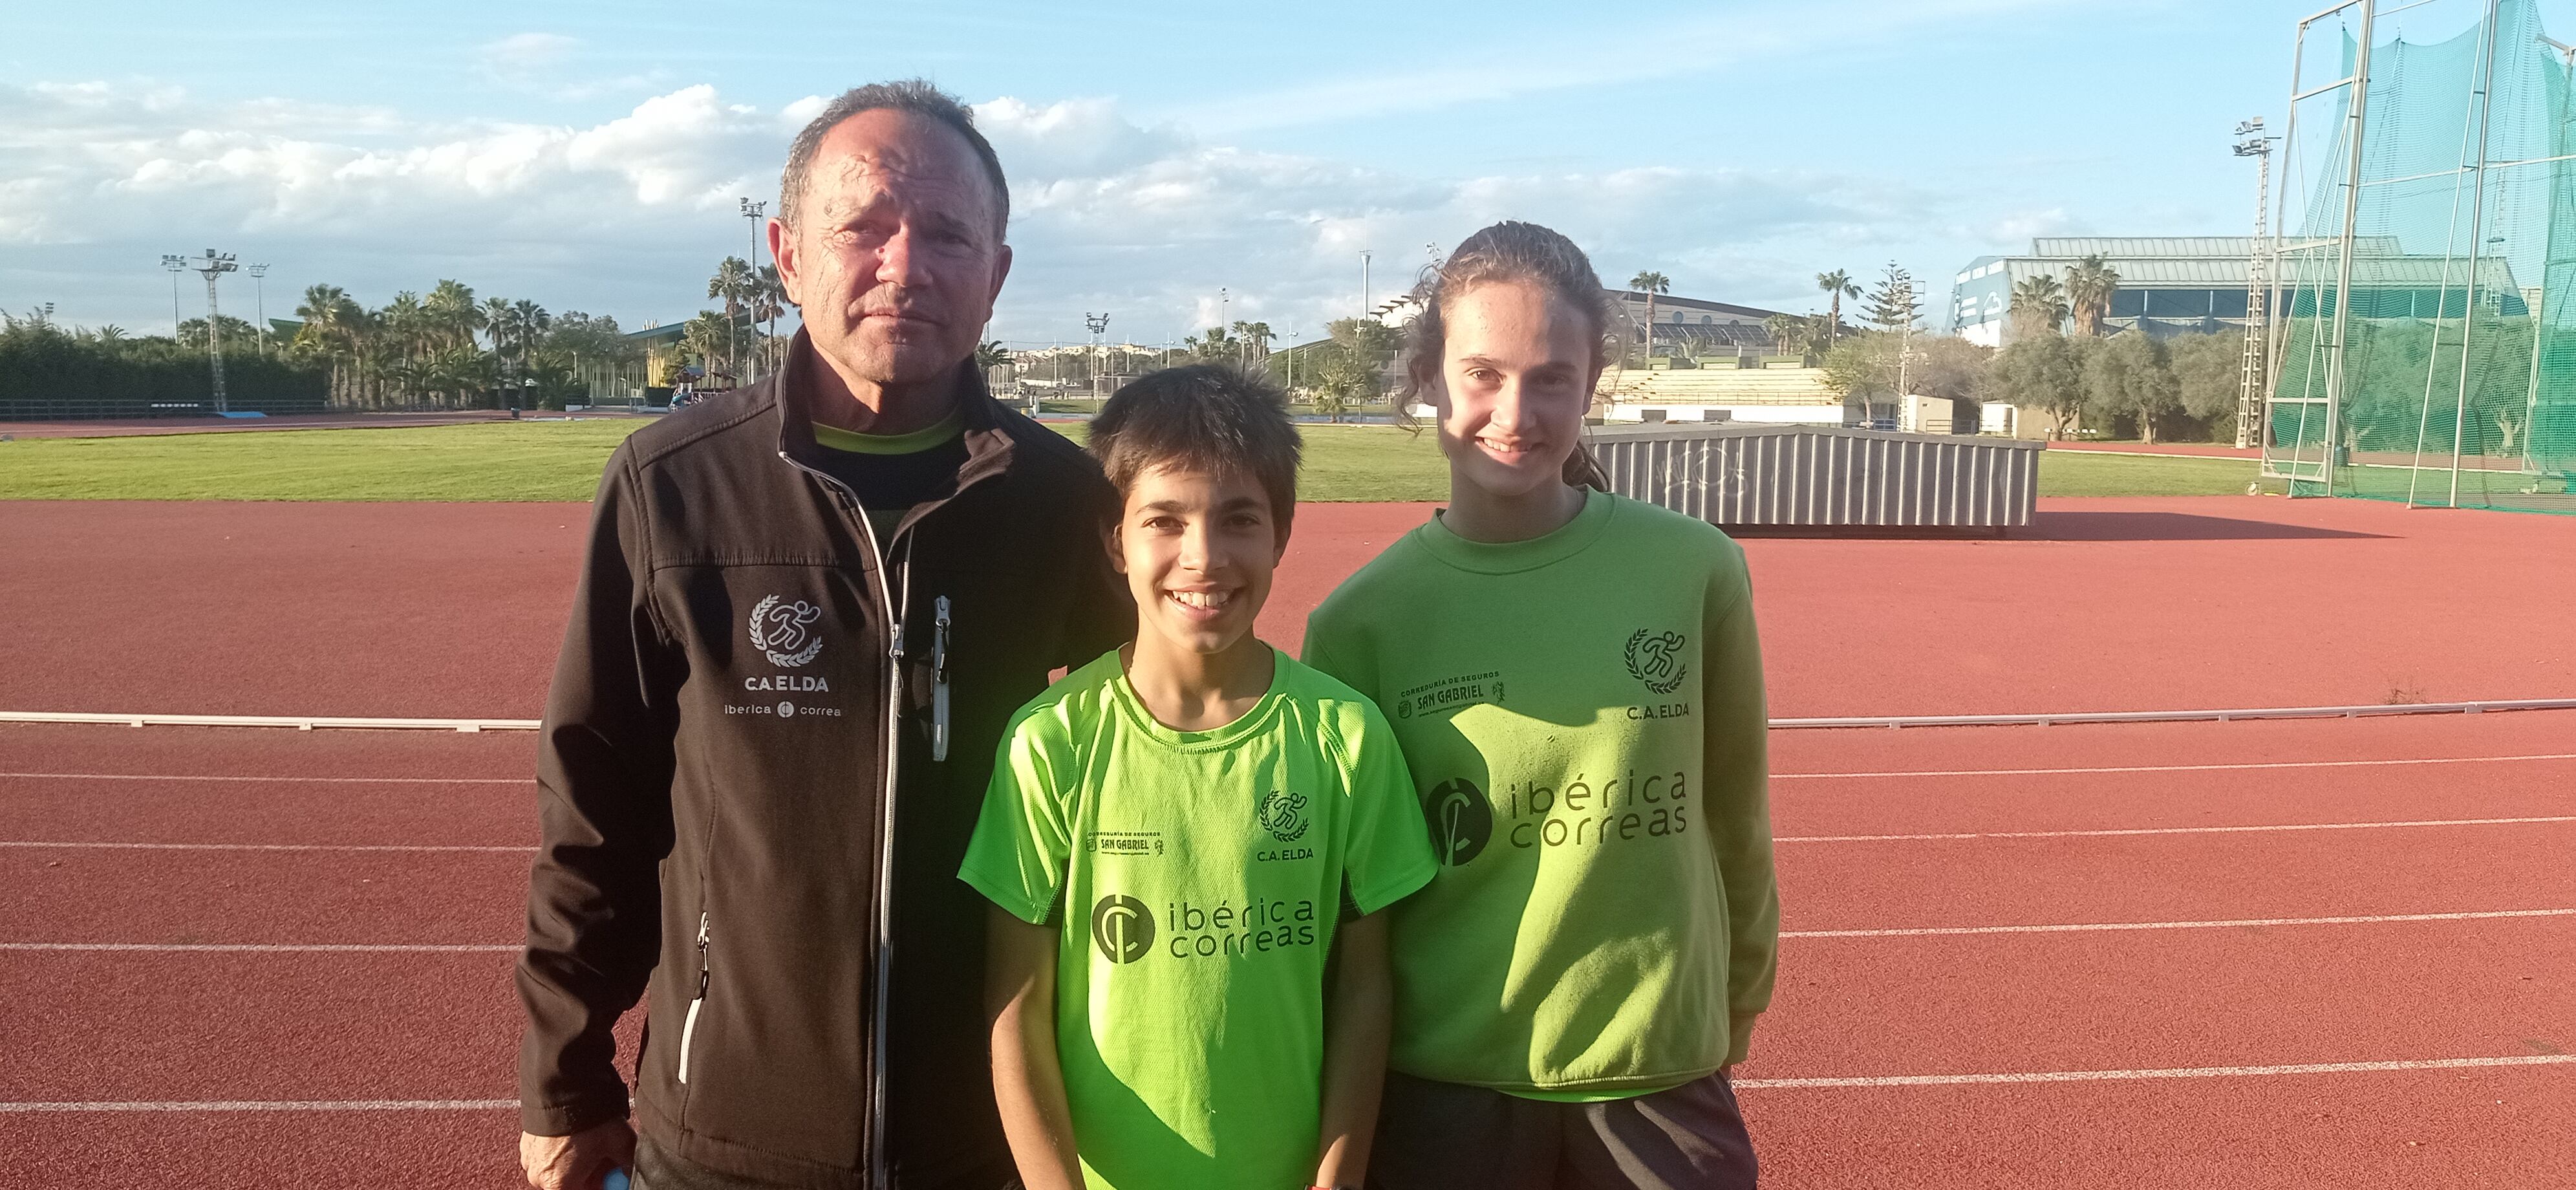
x: 1584, y: 719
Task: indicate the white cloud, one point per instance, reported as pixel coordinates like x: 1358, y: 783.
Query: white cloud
x: 529, y: 51
x: 629, y: 215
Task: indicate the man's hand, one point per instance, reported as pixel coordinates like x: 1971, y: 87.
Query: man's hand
x: 578, y: 1161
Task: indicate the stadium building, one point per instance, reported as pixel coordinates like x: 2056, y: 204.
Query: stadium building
x: 2191, y: 285
x: 2173, y: 285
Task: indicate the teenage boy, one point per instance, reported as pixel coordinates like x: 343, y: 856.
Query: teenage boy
x: 1187, y: 843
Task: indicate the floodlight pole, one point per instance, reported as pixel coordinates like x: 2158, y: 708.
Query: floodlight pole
x: 753, y: 211
x: 259, y: 288
x: 2353, y: 126
x: 215, y: 265
x: 2253, y: 415
x: 1098, y: 325
x: 176, y: 265
x: 1364, y: 283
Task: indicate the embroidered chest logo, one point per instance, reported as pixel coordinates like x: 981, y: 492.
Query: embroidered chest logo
x: 1283, y: 814
x: 1655, y: 658
x: 784, y: 632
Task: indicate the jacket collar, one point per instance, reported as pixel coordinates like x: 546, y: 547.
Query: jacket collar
x: 989, y: 446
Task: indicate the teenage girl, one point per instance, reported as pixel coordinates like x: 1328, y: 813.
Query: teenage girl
x: 1575, y: 681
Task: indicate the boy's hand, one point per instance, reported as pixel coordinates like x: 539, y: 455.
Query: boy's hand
x: 579, y: 1161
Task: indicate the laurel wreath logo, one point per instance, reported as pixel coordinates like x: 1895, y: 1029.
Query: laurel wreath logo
x: 783, y: 634
x: 1656, y: 660
x: 1283, y: 814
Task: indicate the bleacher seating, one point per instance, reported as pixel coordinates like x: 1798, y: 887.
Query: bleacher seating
x: 1718, y: 386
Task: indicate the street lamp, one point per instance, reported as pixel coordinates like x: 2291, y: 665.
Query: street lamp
x: 260, y: 328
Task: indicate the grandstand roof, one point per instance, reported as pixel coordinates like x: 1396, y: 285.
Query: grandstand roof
x: 1675, y: 301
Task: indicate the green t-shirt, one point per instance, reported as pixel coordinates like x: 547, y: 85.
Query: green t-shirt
x: 1196, y: 877
x: 1583, y: 715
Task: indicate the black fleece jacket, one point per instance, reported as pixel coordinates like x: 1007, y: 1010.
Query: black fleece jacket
x: 744, y: 678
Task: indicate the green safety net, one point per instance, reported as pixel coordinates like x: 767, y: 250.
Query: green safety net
x: 2457, y: 382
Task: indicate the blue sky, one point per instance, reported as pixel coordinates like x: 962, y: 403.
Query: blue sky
x: 588, y: 155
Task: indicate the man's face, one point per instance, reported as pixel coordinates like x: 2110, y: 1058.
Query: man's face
x: 895, y: 261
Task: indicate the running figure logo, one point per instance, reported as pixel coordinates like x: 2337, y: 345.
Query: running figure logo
x: 783, y: 632
x: 1122, y: 927
x: 1283, y: 814
x: 1656, y: 660
x: 1460, y: 818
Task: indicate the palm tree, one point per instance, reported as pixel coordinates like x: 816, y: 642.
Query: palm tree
x: 2089, y: 286
x: 2038, y: 303
x: 1837, y: 286
x: 769, y: 304
x: 1255, y: 338
x: 1782, y: 328
x: 1651, y: 283
x: 734, y: 282
x: 453, y: 315
x: 330, y: 326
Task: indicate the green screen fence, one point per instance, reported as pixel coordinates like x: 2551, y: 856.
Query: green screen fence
x: 2430, y: 174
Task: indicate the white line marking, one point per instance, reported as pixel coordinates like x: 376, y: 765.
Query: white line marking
x: 2167, y: 768
x: 287, y: 780
x: 235, y: 1105
x: 2090, y: 927
x: 2152, y: 830
x: 2089, y: 1076
x: 273, y: 947
x: 49, y: 845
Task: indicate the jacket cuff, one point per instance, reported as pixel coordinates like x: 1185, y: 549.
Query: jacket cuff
x: 564, y: 1119
x: 1739, y: 1036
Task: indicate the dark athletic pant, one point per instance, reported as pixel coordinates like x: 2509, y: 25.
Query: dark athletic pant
x: 1443, y: 1136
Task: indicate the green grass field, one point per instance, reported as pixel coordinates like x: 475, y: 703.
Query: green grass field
x: 561, y: 461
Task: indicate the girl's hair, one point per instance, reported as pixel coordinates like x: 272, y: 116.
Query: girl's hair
x: 1509, y: 251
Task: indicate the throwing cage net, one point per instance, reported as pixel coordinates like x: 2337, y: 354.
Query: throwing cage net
x: 2433, y: 181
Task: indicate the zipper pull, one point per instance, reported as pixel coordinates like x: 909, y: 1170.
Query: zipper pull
x: 939, y: 681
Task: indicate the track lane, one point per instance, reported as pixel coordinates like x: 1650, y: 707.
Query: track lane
x: 2230, y: 996
x: 2481, y: 1128
x: 1980, y: 882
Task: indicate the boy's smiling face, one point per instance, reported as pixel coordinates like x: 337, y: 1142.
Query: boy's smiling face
x: 1198, y: 551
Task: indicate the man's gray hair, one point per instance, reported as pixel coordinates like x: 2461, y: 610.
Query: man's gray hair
x: 914, y: 95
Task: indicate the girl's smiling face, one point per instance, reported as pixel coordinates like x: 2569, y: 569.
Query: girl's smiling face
x: 1516, y: 376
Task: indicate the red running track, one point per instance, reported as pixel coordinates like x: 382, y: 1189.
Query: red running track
x: 165, y: 1025
x: 456, y: 610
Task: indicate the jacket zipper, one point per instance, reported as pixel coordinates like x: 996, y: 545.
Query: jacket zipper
x: 938, y: 679
x: 689, y: 1027
x: 849, y: 501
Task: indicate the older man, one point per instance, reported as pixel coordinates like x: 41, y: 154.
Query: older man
x: 809, y: 609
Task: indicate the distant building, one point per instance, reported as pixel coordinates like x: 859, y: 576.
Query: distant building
x: 2172, y: 285
x: 1696, y: 326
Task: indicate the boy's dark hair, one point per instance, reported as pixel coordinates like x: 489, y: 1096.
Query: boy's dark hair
x: 916, y: 96
x: 1211, y: 418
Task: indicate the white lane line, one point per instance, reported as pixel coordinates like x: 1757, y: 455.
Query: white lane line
x: 273, y: 947
x: 266, y: 780
x: 2093, y: 927
x: 241, y: 1105
x: 52, y: 845
x: 2161, y: 830
x: 2169, y: 768
x: 2090, y: 1076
